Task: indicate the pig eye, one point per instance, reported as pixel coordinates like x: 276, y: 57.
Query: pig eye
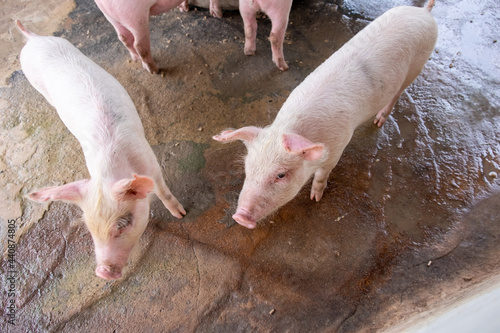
x: 124, y: 221
x: 281, y: 175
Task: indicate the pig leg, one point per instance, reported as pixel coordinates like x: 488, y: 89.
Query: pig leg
x: 125, y: 36
x: 319, y: 182
x: 168, y: 199
x: 279, y: 24
x: 184, y: 6
x: 142, y: 44
x: 383, y: 114
x: 248, y: 14
x: 215, y: 10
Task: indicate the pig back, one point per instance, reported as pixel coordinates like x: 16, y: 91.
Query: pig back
x: 360, y: 78
x: 86, y: 97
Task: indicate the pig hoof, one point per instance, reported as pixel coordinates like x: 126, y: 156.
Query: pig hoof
x: 216, y: 12
x: 283, y: 68
x: 108, y: 273
x: 281, y: 64
x: 381, y: 117
x: 184, y: 7
x: 249, y: 52
x: 177, y: 211
x: 316, y: 195
x: 152, y: 68
x: 379, y: 121
x: 36, y: 196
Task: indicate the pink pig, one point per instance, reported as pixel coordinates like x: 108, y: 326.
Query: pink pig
x: 122, y: 166
x: 363, y: 79
x: 278, y: 12
x: 130, y: 18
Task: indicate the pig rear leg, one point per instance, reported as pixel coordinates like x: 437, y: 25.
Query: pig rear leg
x: 248, y: 14
x: 383, y: 114
x: 142, y: 44
x: 215, y: 10
x: 184, y: 6
x: 279, y: 25
x: 126, y: 37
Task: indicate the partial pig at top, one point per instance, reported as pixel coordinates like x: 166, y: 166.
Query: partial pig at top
x: 123, y: 168
x: 130, y: 18
x: 278, y: 12
x: 362, y: 79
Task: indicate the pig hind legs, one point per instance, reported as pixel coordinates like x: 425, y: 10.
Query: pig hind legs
x: 126, y: 37
x: 383, y: 114
x: 276, y: 38
x: 184, y: 6
x: 143, y: 47
x: 279, y: 24
x: 215, y: 10
x: 136, y: 40
x: 248, y: 14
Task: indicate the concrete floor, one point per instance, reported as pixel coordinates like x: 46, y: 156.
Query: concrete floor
x: 409, y: 219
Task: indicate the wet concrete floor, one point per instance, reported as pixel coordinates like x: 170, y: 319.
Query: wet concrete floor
x: 409, y: 219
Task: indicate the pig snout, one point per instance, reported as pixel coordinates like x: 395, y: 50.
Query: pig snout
x: 108, y: 272
x: 245, y: 218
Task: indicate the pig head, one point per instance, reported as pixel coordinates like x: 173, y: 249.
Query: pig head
x: 116, y: 215
x: 276, y: 167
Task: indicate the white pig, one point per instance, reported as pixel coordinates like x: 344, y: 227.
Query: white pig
x: 123, y: 168
x: 130, y: 18
x: 362, y: 79
x: 278, y: 12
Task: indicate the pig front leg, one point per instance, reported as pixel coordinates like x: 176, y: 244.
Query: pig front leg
x: 319, y: 182
x: 168, y: 199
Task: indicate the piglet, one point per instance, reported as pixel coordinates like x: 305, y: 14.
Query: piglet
x: 123, y: 168
x: 130, y: 18
x: 362, y: 79
x: 278, y: 12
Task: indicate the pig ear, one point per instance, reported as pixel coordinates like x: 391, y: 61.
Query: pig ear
x: 72, y: 192
x: 298, y: 145
x: 132, y: 189
x: 246, y: 134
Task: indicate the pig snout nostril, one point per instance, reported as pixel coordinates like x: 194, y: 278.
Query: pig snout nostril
x: 108, y: 272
